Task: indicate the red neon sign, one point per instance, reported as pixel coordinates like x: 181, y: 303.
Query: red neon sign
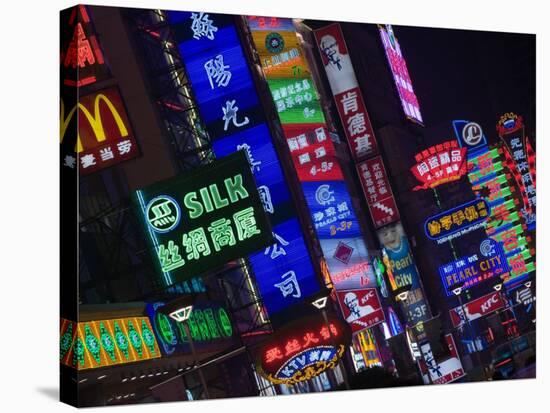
x: 439, y: 164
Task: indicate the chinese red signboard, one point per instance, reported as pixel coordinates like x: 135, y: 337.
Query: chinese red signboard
x: 105, y: 136
x: 345, y: 89
x: 303, y: 350
x: 378, y: 192
x: 439, y: 164
x: 477, y: 308
x: 361, y: 308
x: 442, y: 372
x: 81, y: 58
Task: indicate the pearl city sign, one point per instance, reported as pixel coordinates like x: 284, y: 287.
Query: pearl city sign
x: 303, y: 349
x: 204, y: 218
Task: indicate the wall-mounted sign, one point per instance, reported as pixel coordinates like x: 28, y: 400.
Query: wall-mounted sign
x: 208, y: 324
x: 378, y: 193
x: 443, y: 372
x: 457, y: 221
x: 398, y: 67
x: 105, y: 136
x: 204, y: 218
x: 520, y: 160
x: 345, y: 89
x: 303, y: 349
x: 488, y: 263
x: 361, y: 308
x: 94, y: 344
x: 82, y: 61
x: 477, y: 308
x: 235, y: 120
x: 439, y: 164
x: 469, y: 134
x: 296, y: 100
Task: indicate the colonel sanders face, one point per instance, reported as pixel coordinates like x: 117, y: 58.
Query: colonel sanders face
x: 329, y: 46
x: 390, y: 236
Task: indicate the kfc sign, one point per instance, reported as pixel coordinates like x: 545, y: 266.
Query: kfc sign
x: 345, y: 89
x: 378, y: 193
x: 441, y: 372
x: 104, y: 134
x: 361, y: 308
x: 477, y: 308
x: 439, y: 164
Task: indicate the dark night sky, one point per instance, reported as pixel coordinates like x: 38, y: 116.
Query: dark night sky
x: 470, y: 75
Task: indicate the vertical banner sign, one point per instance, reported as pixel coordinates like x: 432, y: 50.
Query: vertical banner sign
x: 105, y: 136
x: 520, y: 159
x: 234, y: 118
x: 295, y: 97
x: 443, y: 372
x: 378, y: 193
x: 345, y: 90
x: 398, y: 67
x: 81, y: 56
x: 488, y: 177
x: 402, y: 272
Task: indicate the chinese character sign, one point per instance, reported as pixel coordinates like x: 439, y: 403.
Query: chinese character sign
x: 105, y: 136
x: 82, y: 61
x: 204, y: 218
x: 489, y: 262
x: 439, y: 164
x: 230, y: 108
x: 360, y: 308
x: 303, y: 349
x: 313, y: 154
x: 95, y: 344
x: 457, y: 221
x: 398, y: 67
x: 378, y: 192
x: 345, y: 89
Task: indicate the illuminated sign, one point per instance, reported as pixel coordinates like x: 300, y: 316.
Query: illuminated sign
x: 303, y: 350
x: 235, y: 121
x: 457, y: 221
x: 204, y: 218
x: 345, y: 89
x: 105, y: 136
x: 490, y: 179
x: 94, y: 344
x: 469, y: 134
x: 82, y: 60
x: 313, y: 154
x: 207, y: 324
x: 488, y: 263
x: 360, y: 308
x: 439, y: 164
x: 378, y: 193
x: 398, y: 67
x: 520, y: 160
x: 476, y: 308
x: 443, y: 372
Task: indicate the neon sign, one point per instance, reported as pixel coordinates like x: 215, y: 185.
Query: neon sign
x: 303, y: 350
x: 398, y: 67
x: 94, y: 344
x: 313, y: 154
x: 457, y: 221
x: 105, y: 136
x: 471, y: 270
x: 204, y: 218
x: 235, y: 120
x: 439, y: 164
x: 361, y: 308
x: 208, y: 324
